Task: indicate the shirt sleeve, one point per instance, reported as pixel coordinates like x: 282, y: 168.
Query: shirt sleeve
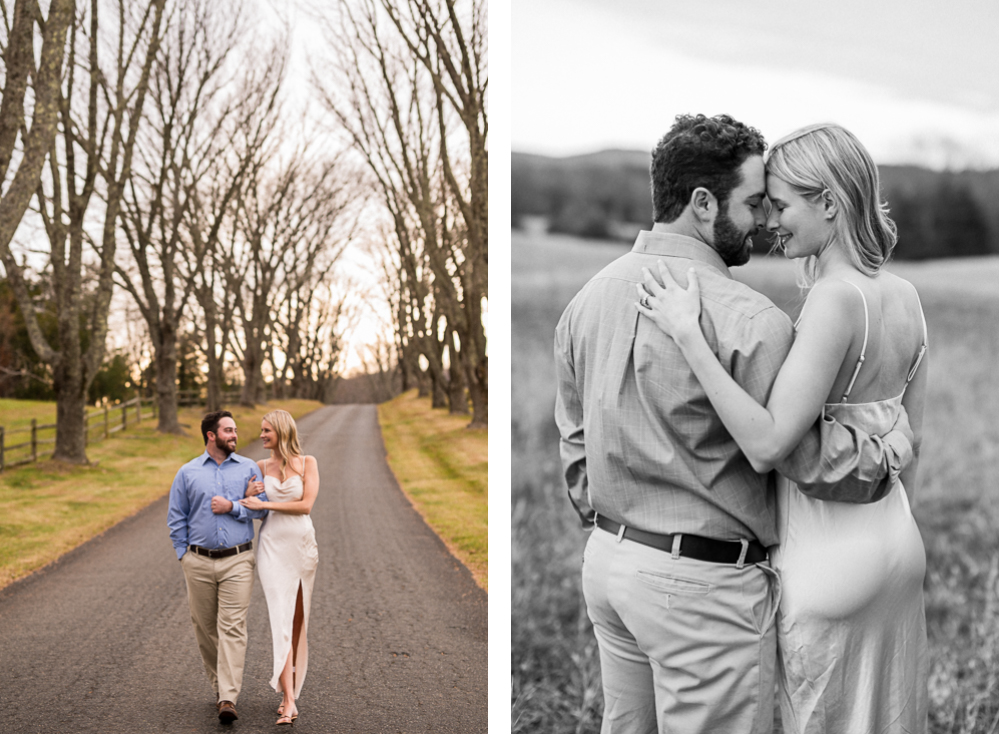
x: 569, y: 419
x: 178, y: 509
x: 841, y: 463
x: 244, y: 514
x: 759, y: 351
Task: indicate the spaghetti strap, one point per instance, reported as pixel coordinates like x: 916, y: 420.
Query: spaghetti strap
x: 923, y: 347
x: 864, y: 347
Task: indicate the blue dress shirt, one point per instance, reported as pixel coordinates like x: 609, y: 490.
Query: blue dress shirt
x: 190, y: 517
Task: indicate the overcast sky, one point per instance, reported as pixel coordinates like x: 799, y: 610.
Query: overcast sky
x: 917, y: 81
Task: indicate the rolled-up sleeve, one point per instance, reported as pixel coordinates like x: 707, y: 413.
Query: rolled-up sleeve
x: 840, y: 463
x: 242, y: 513
x: 569, y: 419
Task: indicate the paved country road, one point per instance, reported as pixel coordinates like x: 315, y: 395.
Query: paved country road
x: 101, y: 640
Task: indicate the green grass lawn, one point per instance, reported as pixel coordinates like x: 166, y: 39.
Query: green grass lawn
x: 441, y: 466
x: 16, y: 414
x: 48, y: 508
x: 556, y: 684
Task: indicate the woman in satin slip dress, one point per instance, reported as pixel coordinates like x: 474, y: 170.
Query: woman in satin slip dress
x: 851, y: 631
x: 286, y: 553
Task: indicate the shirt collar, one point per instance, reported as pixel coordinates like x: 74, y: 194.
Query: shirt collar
x: 208, y: 457
x: 670, y: 244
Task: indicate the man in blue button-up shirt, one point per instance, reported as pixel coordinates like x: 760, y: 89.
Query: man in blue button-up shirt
x: 212, y: 534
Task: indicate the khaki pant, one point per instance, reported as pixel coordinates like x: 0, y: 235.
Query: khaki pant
x: 219, y: 595
x: 687, y: 647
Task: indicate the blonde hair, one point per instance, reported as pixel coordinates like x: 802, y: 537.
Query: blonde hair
x: 287, y: 435
x: 828, y: 158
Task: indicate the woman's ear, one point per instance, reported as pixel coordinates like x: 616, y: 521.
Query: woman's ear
x: 829, y: 204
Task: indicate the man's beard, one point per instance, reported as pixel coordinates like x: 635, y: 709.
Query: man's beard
x: 730, y: 243
x: 223, y: 446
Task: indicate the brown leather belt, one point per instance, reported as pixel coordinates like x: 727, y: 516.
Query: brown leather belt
x: 692, y: 546
x: 220, y: 552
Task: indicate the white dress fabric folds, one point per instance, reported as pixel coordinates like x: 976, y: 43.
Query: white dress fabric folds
x: 286, y: 559
x: 851, y: 632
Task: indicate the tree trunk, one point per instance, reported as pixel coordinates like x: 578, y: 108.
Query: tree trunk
x: 166, y: 380
x: 478, y: 393
x: 439, y: 395
x: 252, y: 378
x: 458, y: 404
x: 68, y: 381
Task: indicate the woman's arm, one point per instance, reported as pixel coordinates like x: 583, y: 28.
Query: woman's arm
x: 765, y: 434
x: 310, y: 488
x: 913, y: 401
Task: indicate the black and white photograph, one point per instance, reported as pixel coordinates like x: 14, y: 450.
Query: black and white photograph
x: 754, y: 338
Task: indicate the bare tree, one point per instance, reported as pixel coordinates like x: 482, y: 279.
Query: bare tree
x: 102, y: 132
x: 28, y: 148
x: 453, y: 50
x: 181, y: 144
x: 405, y: 72
x: 211, y: 218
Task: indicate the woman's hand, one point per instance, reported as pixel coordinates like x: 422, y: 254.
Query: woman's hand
x: 253, y: 488
x: 252, y: 503
x: 672, y: 308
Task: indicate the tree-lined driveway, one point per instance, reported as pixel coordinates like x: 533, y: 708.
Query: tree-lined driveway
x: 101, y: 641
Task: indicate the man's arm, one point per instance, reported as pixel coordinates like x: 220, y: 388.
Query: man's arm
x: 244, y: 514
x: 569, y: 419
x: 177, y: 514
x: 840, y: 463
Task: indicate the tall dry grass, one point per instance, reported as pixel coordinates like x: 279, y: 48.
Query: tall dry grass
x: 555, y: 672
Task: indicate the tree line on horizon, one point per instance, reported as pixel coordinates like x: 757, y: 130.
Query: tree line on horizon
x: 607, y: 196
x: 151, y: 155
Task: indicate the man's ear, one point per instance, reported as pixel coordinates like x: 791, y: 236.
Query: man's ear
x: 829, y: 204
x: 704, y: 205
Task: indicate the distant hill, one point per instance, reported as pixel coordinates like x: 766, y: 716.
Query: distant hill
x: 606, y: 195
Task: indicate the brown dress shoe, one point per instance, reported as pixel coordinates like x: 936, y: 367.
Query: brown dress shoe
x: 227, y: 712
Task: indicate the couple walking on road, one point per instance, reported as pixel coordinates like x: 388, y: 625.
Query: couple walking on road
x: 213, y: 502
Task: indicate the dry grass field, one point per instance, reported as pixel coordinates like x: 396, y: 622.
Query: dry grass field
x: 554, y: 666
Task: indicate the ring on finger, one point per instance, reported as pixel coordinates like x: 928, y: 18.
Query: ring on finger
x: 644, y: 301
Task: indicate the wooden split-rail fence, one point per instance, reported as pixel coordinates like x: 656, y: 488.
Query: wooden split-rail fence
x: 98, y: 425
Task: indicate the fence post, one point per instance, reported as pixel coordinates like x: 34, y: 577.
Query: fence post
x: 124, y: 415
x: 86, y: 428
x: 138, y: 408
x: 107, y: 410
x: 154, y: 407
x: 34, y: 439
x: 1, y: 448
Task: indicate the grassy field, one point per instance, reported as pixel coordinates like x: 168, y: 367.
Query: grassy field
x: 442, y: 467
x: 48, y: 508
x: 555, y: 673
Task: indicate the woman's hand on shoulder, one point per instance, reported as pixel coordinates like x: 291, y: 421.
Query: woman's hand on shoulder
x: 675, y: 310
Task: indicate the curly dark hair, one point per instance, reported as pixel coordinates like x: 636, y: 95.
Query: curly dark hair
x: 210, y: 423
x: 700, y: 151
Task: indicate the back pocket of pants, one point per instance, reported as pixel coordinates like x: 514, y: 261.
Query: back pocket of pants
x: 673, y: 584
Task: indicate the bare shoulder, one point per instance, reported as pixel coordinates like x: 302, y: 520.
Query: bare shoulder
x: 310, y: 462
x: 832, y: 299
x: 893, y: 285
